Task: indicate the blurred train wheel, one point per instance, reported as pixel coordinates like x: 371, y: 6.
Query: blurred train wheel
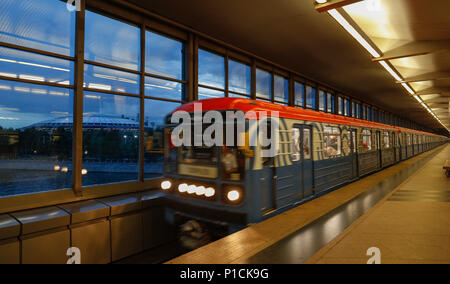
x: 193, y: 235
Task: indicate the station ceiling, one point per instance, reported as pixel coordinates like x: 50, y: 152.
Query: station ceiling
x: 293, y: 34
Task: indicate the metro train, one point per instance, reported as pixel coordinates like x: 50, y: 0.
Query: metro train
x: 318, y: 152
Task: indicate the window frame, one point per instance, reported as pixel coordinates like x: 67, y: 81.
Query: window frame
x: 336, y: 132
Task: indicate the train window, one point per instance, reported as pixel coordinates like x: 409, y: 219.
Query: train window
x: 332, y: 141
x: 281, y: 88
x: 386, y: 140
x: 366, y: 140
x: 299, y: 94
x: 263, y: 85
x: 310, y: 97
x: 233, y: 163
x: 322, y: 100
x: 306, y: 144
x: 296, y: 145
x: 198, y: 155
x: 354, y: 140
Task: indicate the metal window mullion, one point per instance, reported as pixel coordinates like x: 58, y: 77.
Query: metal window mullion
x: 253, y: 80
x: 291, y: 90
x: 227, y: 83
x: 165, y: 78
x: 27, y: 81
x: 142, y: 107
x: 211, y: 87
x: 77, y: 144
x: 195, y: 68
x: 189, y: 69
x: 37, y: 51
x: 272, y: 78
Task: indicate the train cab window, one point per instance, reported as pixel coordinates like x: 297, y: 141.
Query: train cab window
x: 386, y: 140
x: 296, y: 156
x: 198, y: 155
x: 306, y: 144
x: 233, y: 163
x: 366, y: 136
x: 332, y: 142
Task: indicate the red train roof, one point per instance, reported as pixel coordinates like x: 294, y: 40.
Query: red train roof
x: 247, y: 105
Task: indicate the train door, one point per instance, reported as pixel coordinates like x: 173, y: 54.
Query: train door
x: 395, y: 145
x: 307, y: 158
x: 405, y: 145
x: 354, y: 153
x: 378, y: 141
x: 268, y: 180
x: 302, y: 160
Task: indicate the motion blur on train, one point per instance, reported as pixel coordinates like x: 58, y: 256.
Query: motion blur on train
x: 226, y: 188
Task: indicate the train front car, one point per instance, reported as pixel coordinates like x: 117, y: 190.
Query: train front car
x: 207, y: 185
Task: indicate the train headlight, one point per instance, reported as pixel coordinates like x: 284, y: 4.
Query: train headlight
x: 201, y: 190
x: 182, y: 188
x: 166, y: 185
x: 191, y: 189
x: 210, y: 192
x: 233, y: 195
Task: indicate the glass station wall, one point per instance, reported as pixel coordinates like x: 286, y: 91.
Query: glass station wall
x: 131, y: 75
x: 36, y: 96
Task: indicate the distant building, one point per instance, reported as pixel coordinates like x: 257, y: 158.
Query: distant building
x: 104, y: 122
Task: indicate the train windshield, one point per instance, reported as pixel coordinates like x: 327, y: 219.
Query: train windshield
x: 225, y: 162
x: 198, y: 155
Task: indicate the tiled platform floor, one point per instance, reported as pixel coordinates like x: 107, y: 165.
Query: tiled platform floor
x: 411, y: 225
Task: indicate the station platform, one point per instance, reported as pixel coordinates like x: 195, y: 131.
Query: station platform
x: 411, y: 225
x: 402, y: 210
